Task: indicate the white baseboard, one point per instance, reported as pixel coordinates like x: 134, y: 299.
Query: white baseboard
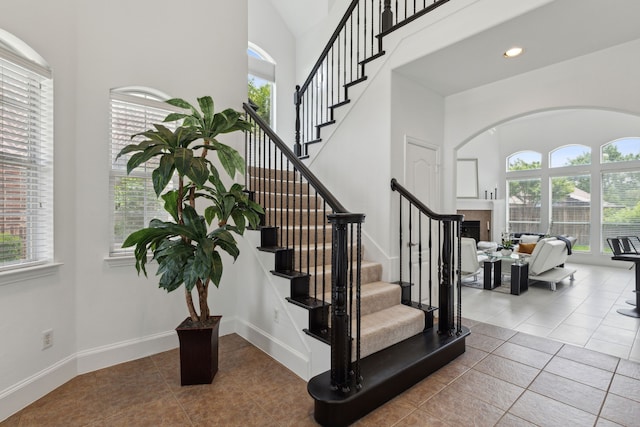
x: 22, y: 394
x: 125, y: 351
x: 283, y: 353
x: 27, y: 391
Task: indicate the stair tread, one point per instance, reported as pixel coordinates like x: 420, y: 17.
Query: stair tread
x: 387, y: 327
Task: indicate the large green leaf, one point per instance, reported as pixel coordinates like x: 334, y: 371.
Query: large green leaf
x: 194, y: 222
x: 163, y: 174
x: 198, y: 171
x: 206, y: 105
x: 139, y: 158
x: 171, y: 203
x: 182, y: 159
x: 216, y: 269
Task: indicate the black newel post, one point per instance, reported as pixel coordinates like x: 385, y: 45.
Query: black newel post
x: 445, y: 321
x: 387, y: 16
x: 340, y: 317
x: 297, y: 149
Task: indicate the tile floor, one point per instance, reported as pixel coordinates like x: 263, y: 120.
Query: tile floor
x: 582, y: 312
x: 505, y: 377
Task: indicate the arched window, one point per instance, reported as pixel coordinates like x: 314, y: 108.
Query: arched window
x: 26, y: 156
x: 524, y: 160
x: 133, y: 199
x: 621, y: 150
x: 570, y: 155
x: 261, y: 85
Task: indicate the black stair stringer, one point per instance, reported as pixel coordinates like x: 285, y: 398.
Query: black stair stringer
x: 299, y: 285
x: 386, y: 374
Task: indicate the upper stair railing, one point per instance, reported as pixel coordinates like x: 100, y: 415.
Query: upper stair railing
x: 422, y: 226
x: 299, y: 206
x: 356, y: 41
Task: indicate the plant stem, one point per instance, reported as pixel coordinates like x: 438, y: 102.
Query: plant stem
x: 190, y: 306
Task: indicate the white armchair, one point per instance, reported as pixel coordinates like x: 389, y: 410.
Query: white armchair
x: 469, y: 260
x: 547, y: 260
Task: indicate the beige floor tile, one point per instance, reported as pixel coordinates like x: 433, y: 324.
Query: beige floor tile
x: 585, y: 374
x: 493, y: 331
x: 447, y: 406
x: 567, y: 391
x: 487, y: 388
x: 621, y: 410
x: 509, y: 420
x: 526, y: 355
x: 483, y: 342
x: 589, y: 357
x: 507, y: 370
x: 625, y: 387
x: 544, y: 412
x: 537, y: 343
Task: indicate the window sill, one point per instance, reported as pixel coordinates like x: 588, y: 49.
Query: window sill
x: 28, y: 273
x: 120, y: 261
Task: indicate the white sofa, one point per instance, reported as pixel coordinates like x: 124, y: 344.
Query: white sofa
x: 546, y: 263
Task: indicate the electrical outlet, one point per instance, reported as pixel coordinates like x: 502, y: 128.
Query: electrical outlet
x: 47, y: 338
x: 276, y: 315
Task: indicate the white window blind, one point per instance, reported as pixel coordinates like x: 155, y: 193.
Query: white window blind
x: 26, y: 163
x: 620, y: 204
x: 133, y: 198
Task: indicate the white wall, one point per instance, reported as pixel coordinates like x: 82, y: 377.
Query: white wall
x: 268, y: 30
x: 102, y: 313
x: 602, y: 80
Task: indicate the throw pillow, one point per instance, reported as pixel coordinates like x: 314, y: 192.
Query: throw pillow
x: 526, y: 248
x: 529, y: 238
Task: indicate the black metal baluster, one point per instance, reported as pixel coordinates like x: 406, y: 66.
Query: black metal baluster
x: 351, y: 49
x: 283, y: 176
x: 315, y: 244
x: 410, y: 244
x: 299, y: 228
x: 287, y: 198
x: 430, y: 262
x: 272, y: 185
x: 420, y: 260
x: 400, y: 234
x: 309, y: 231
x: 358, y: 306
x: 324, y: 258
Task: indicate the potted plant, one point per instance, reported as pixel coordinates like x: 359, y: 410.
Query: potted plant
x: 186, y: 250
x: 507, y: 244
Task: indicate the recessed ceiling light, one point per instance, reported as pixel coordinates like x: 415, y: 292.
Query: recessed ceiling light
x: 513, y: 52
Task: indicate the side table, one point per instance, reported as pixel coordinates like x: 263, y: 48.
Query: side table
x: 492, y: 267
x: 519, y: 278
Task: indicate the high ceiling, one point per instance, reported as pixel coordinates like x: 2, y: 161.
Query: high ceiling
x: 558, y: 31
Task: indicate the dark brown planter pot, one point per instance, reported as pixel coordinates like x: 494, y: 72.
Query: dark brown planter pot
x: 198, y: 351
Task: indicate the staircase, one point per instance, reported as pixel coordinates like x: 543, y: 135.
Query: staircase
x: 305, y: 236
x: 382, y: 336
x: 382, y: 340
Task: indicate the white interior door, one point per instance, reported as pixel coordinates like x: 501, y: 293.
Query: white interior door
x: 422, y: 179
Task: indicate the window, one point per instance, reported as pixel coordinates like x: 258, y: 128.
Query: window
x: 524, y: 160
x: 261, y: 83
x: 621, y: 150
x: 133, y: 198
x: 620, y: 180
x: 524, y: 205
x: 571, y: 208
x: 570, y: 155
x: 620, y: 204
x: 26, y: 160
